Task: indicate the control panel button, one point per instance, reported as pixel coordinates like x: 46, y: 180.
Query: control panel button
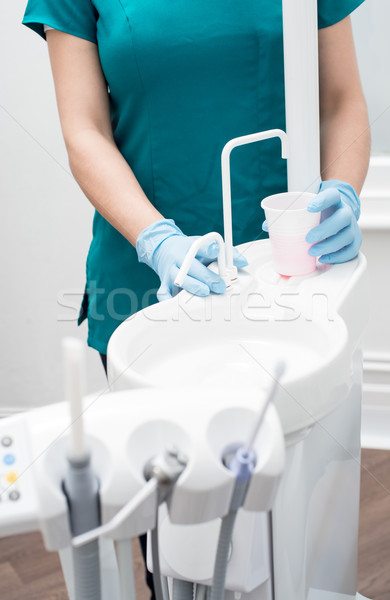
x: 6, y: 441
x: 9, y: 459
x: 14, y: 495
x: 11, y: 477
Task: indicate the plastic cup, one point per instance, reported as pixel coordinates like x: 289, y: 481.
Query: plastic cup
x: 289, y: 222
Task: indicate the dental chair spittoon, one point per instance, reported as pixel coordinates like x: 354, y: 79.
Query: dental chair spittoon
x: 106, y: 471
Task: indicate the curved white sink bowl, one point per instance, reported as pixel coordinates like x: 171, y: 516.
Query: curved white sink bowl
x: 235, y: 340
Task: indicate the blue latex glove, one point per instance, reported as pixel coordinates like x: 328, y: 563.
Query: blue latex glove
x: 337, y: 238
x: 163, y: 246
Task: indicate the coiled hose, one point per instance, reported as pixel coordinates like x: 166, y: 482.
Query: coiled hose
x: 86, y: 571
x: 82, y: 492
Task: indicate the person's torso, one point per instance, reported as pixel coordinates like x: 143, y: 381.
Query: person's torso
x: 184, y: 78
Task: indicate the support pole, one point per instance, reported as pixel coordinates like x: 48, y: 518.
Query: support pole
x: 300, y: 39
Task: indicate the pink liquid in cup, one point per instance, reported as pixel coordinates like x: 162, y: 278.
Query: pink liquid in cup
x: 289, y: 222
x: 290, y: 254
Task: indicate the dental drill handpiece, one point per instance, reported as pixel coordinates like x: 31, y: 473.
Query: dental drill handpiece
x: 165, y: 469
x: 80, y: 484
x: 161, y: 473
x: 242, y: 465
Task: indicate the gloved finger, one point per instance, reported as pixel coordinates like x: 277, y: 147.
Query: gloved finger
x: 325, y: 199
x: 330, y: 226
x: 265, y: 226
x: 334, y: 243
x: 239, y: 259
x: 345, y: 254
x: 196, y: 287
x: 208, y: 251
x: 191, y: 285
x: 207, y: 277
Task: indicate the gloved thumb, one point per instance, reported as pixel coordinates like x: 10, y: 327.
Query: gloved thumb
x: 265, y: 226
x: 209, y: 252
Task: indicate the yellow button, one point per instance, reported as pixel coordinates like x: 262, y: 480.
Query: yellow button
x: 11, y: 477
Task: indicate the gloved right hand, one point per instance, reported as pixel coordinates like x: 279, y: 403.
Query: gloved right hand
x: 163, y: 246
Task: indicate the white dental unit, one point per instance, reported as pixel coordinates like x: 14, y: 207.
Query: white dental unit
x: 231, y: 430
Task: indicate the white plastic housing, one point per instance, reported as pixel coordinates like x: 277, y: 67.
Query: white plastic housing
x: 188, y: 551
x: 300, y: 40
x: 125, y: 430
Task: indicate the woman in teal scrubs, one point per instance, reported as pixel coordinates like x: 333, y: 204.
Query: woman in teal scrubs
x: 148, y: 93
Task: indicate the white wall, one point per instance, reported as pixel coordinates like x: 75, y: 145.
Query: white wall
x: 45, y: 226
x: 371, y: 31
x: 370, y: 24
x: 375, y: 225
x: 46, y: 221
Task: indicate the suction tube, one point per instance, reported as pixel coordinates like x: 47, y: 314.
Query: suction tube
x: 82, y: 492
x: 80, y: 484
x: 242, y: 465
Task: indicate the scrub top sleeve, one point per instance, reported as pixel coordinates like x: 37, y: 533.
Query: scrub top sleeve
x: 77, y: 17
x: 333, y: 11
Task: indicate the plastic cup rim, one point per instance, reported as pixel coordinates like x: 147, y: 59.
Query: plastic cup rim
x: 289, y: 232
x: 283, y: 210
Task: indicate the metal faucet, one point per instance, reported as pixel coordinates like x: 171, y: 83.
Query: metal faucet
x: 227, y: 270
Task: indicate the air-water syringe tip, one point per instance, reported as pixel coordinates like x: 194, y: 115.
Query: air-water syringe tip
x: 74, y: 371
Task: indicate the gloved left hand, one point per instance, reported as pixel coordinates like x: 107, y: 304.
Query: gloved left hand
x: 337, y: 238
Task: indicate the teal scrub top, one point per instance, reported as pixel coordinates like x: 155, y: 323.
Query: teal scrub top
x: 184, y: 77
